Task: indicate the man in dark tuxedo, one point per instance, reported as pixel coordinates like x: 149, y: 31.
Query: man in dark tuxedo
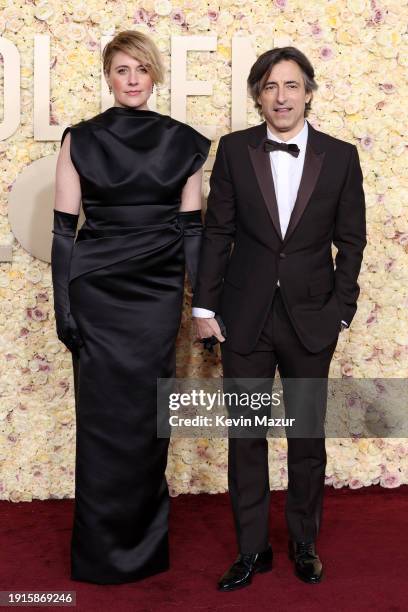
x: 281, y: 194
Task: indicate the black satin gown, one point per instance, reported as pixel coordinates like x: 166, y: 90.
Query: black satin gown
x: 126, y: 290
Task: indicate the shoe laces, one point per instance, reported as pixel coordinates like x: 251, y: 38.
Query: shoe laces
x: 305, y: 548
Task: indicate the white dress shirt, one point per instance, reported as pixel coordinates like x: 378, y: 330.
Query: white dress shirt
x: 286, y: 173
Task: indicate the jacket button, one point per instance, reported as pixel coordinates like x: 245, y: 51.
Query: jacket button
x: 282, y: 255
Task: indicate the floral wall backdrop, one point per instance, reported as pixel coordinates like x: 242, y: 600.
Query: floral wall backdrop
x: 360, y: 53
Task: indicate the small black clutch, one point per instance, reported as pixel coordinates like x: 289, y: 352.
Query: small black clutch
x: 210, y: 342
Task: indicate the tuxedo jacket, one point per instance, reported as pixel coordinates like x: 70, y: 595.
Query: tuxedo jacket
x: 243, y: 253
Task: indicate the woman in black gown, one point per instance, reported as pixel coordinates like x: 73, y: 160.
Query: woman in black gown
x: 118, y: 293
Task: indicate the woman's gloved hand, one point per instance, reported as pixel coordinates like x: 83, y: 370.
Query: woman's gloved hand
x: 61, y: 253
x: 192, y: 226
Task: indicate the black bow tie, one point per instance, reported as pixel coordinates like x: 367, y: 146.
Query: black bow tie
x: 273, y: 145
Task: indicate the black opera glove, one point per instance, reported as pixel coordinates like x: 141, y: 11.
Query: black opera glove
x: 192, y: 226
x: 61, y: 252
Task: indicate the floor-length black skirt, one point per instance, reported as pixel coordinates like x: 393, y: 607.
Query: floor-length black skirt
x: 126, y: 297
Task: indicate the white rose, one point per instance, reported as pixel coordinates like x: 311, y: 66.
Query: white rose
x: 403, y: 59
x: 34, y: 275
x: 219, y: 101
x: 225, y: 19
x: 95, y: 17
x: 81, y: 12
x: 357, y: 6
x: 75, y: 32
x: 203, y: 23
x: 14, y: 24
x: 44, y: 10
x: 352, y: 105
x: 4, y: 280
x: 388, y: 38
x: 223, y: 71
x: 326, y: 91
x: 342, y: 90
x: 163, y: 7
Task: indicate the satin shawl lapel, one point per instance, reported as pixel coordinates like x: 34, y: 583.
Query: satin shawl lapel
x: 311, y: 171
x: 262, y: 166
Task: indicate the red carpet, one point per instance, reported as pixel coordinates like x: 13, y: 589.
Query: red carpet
x: 363, y: 543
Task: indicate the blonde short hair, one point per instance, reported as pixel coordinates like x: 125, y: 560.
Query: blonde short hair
x: 140, y: 47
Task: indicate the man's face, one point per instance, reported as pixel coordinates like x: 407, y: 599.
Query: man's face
x: 283, y: 99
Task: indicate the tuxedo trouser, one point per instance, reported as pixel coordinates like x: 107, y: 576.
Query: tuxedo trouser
x: 248, y: 475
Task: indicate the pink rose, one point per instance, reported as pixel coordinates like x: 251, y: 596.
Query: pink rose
x: 326, y: 53
x: 378, y: 16
x: 387, y: 88
x: 64, y: 384
x: 380, y: 387
x: 44, y: 366
x: 36, y: 314
x: 366, y: 143
x: 178, y: 17
x: 316, y: 29
x: 27, y: 388
x: 42, y: 296
x: 402, y: 238
x: 347, y: 369
x: 141, y: 16
x: 355, y: 483
x: 390, y: 481
x: 389, y: 265
x: 372, y: 318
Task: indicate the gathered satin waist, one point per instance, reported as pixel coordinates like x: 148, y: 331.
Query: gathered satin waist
x: 126, y: 218
x: 111, y: 234
x: 96, y: 249
x: 88, y: 232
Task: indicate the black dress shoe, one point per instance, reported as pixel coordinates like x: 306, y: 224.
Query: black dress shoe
x: 308, y: 566
x: 240, y: 573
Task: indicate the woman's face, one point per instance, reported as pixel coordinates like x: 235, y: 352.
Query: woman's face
x: 130, y: 81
